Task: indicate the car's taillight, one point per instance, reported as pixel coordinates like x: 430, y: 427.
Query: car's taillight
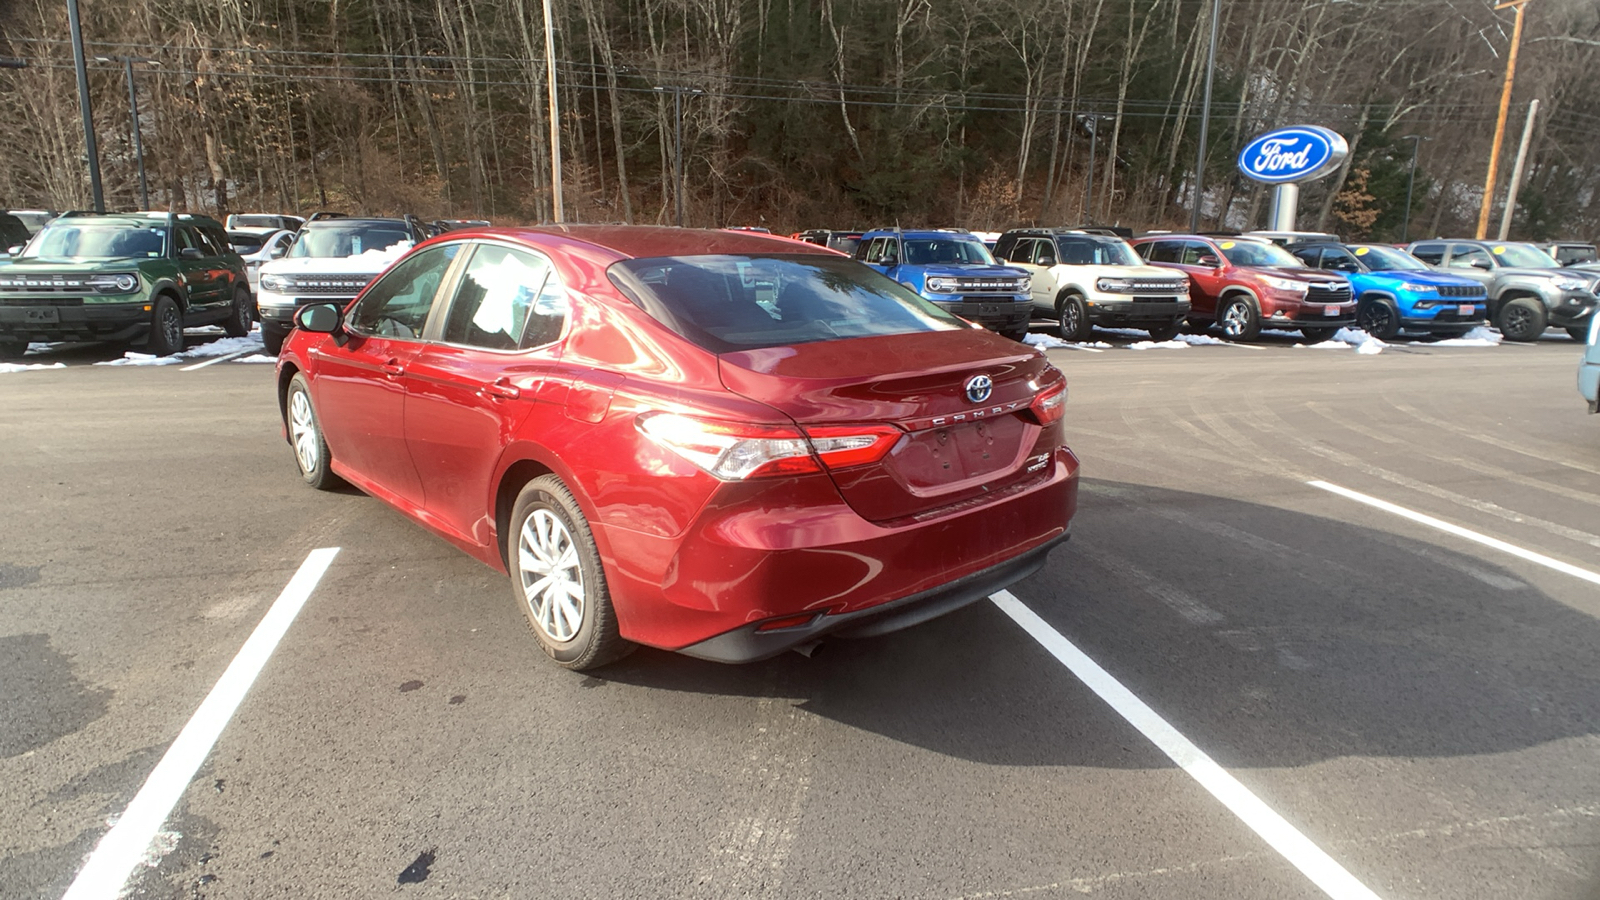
x: 1051, y: 403
x: 734, y: 452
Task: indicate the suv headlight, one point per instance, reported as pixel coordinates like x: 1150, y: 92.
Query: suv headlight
x: 1568, y: 283
x: 119, y: 283
x: 1024, y: 284
x: 1416, y: 288
x: 275, y: 283
x: 1285, y: 284
x: 1114, y: 285
x: 941, y: 285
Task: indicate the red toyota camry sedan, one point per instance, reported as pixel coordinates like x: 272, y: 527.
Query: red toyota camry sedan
x: 724, y: 444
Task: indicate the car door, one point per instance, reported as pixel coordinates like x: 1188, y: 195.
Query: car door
x: 1471, y: 261
x: 198, y: 266
x: 1205, y: 267
x: 360, y: 388
x: 1040, y: 265
x: 468, y: 392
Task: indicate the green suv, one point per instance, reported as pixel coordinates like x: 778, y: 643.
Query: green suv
x: 122, y: 276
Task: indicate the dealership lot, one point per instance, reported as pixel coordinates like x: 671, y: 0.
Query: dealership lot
x: 1421, y: 707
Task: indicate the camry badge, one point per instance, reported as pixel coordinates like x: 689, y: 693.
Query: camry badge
x: 979, y: 387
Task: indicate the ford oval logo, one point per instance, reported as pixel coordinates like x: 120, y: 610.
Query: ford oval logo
x: 1297, y: 153
x: 979, y: 387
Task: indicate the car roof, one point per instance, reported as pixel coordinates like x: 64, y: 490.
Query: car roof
x: 136, y: 218
x: 648, y: 241
x: 355, y: 220
x: 921, y: 232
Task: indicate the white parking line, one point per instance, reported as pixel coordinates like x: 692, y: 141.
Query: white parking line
x: 1295, y: 847
x: 108, y: 867
x: 216, y: 359
x: 1458, y: 531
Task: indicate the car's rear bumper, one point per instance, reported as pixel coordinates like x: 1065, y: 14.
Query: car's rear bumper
x: 42, y: 321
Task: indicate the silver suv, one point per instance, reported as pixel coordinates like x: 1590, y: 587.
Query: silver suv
x: 1528, y: 290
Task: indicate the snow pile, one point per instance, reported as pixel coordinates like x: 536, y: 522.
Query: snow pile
x: 1477, y: 337
x: 1279, y: 332
x: 8, y: 368
x: 1159, y: 345
x: 221, y: 347
x: 1199, y: 340
x: 1050, y: 341
x: 258, y: 358
x: 1365, y: 344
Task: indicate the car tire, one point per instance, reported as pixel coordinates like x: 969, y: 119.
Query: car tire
x: 1016, y: 334
x: 1580, y: 333
x: 272, y: 339
x: 166, y: 327
x: 1317, y: 335
x: 240, y: 315
x: 1521, y: 319
x: 1197, y: 326
x: 1240, y: 319
x: 548, y: 543
x: 1165, y: 332
x: 12, y: 349
x: 305, y: 436
x: 1072, y: 319
x: 1379, y: 318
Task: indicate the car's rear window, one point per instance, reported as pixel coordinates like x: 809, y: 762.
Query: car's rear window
x: 728, y: 303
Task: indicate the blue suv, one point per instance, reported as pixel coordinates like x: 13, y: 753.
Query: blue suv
x: 953, y: 269
x: 1395, y: 291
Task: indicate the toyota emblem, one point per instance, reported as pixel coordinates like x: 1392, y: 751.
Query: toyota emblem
x: 979, y: 387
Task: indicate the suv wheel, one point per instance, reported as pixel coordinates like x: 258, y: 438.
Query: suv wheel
x: 272, y: 338
x: 1240, y: 320
x: 1317, y: 335
x: 1378, y: 318
x: 12, y: 348
x: 166, y: 327
x: 1522, y: 319
x: 1073, y: 319
x: 240, y: 315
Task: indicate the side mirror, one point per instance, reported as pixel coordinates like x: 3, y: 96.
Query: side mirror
x: 1483, y: 264
x: 190, y: 253
x: 14, y: 249
x: 322, y: 318
x: 1209, y: 260
x: 278, y: 251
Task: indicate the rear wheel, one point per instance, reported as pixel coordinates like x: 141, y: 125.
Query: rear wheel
x: 1378, y: 318
x: 1165, y: 332
x: 1073, y: 319
x: 557, y: 579
x: 12, y: 348
x: 240, y: 316
x: 1318, y: 335
x: 1240, y: 319
x: 166, y: 327
x: 1016, y: 334
x: 1522, y: 319
x: 1197, y: 326
x: 1580, y: 333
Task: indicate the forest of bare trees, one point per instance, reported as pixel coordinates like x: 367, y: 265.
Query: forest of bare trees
x: 828, y: 113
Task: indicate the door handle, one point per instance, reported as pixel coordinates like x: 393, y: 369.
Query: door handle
x: 501, y: 388
x: 393, y: 368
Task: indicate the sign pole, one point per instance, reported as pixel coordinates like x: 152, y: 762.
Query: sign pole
x: 1285, y: 206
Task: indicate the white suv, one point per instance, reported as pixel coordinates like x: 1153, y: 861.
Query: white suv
x: 1081, y: 280
x: 331, y: 260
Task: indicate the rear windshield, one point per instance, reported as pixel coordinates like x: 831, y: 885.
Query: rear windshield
x: 728, y: 303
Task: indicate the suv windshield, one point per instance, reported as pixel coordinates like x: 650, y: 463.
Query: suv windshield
x: 97, y: 240
x: 1251, y: 253
x: 1523, y: 256
x: 1388, y: 259
x: 1089, y: 252
x: 933, y: 251
x: 725, y: 303
x: 347, y: 239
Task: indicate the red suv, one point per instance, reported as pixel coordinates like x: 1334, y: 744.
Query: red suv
x: 726, y: 444
x: 1245, y: 284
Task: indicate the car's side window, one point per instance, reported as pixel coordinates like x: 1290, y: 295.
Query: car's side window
x: 1044, y: 253
x: 1192, y: 251
x: 1159, y: 251
x: 397, y: 305
x: 1310, y: 257
x: 1466, y: 256
x: 875, y: 250
x: 508, y: 300
x: 1339, y: 260
x: 1432, y: 254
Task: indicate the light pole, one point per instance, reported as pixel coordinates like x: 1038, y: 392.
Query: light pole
x: 133, y: 112
x: 1205, y: 121
x: 677, y: 92
x: 1411, y: 178
x: 75, y: 25
x: 1091, y: 121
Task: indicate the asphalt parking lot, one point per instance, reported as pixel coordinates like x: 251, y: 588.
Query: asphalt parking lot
x: 1415, y: 706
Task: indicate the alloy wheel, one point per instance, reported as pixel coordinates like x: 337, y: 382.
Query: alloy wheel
x: 1233, y: 320
x: 172, y: 326
x: 303, y: 430
x: 552, y: 576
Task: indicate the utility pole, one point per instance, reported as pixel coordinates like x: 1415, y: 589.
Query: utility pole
x: 677, y: 92
x: 556, y: 212
x: 1205, y: 121
x: 133, y: 112
x: 1091, y: 121
x: 1500, y: 122
x: 1516, y: 171
x: 1411, y: 179
x: 75, y: 25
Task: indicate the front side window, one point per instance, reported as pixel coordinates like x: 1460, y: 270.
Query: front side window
x: 1339, y: 260
x: 508, y: 300
x: 1194, y: 251
x: 946, y: 251
x: 397, y: 304
x: 1044, y: 253
x: 727, y: 303
x: 1433, y: 254
x: 1466, y: 256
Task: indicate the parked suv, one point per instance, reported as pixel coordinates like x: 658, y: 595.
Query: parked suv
x: 1395, y: 291
x: 1571, y: 253
x: 331, y: 260
x: 1246, y: 283
x: 1528, y: 290
x: 119, y: 277
x: 268, y: 222
x: 1081, y: 280
x: 954, y: 271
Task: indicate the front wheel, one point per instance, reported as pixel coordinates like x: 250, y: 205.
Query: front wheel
x: 1580, y: 333
x: 1016, y: 333
x: 305, y: 433
x: 1073, y: 319
x: 240, y: 316
x: 272, y: 339
x: 1522, y: 320
x: 1379, y: 319
x: 12, y: 348
x: 1240, y: 319
x: 1318, y: 335
x: 1165, y: 332
x: 557, y: 579
x: 166, y: 327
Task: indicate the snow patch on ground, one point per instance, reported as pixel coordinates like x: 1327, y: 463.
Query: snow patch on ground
x: 1477, y: 337
x: 1279, y: 332
x: 1051, y: 342
x: 221, y: 347
x: 1199, y: 340
x: 1364, y: 344
x: 1158, y: 345
x: 257, y: 358
x: 8, y: 368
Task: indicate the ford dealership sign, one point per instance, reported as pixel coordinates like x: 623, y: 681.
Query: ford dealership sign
x: 1297, y: 153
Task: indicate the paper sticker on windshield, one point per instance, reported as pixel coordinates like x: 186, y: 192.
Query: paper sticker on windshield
x: 1226, y: 245
x: 1499, y: 250
x: 1362, y: 251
